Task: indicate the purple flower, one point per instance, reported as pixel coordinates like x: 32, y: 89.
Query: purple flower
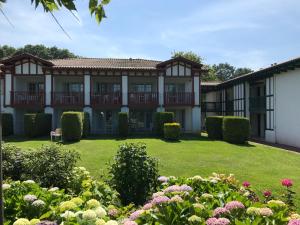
x: 294, y: 222
x: 185, y: 188
x: 159, y: 200
x: 220, y: 211
x: 234, y: 205
x: 113, y: 212
x: 147, y: 206
x: 136, y: 214
x: 215, y: 221
x: 173, y: 188
x: 163, y: 179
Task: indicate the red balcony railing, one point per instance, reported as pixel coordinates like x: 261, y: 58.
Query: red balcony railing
x: 67, y: 98
x: 179, y: 98
x: 143, y: 98
x: 28, y: 99
x: 107, y: 99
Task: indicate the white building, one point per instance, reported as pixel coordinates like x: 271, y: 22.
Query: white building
x: 268, y: 97
x: 102, y: 87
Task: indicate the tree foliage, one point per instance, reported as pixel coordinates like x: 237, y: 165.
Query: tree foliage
x: 188, y: 55
x: 37, y: 50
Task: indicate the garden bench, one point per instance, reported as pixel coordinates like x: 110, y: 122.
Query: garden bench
x: 55, y: 134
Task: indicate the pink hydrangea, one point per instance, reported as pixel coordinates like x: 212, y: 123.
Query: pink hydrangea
x: 173, y: 188
x: 185, y: 188
x: 163, y: 179
x: 215, y: 221
x: 147, y: 206
x: 287, y: 182
x: 246, y: 184
x: 159, y: 200
x: 220, y: 211
x: 294, y: 222
x: 113, y: 212
x: 136, y: 214
x: 129, y: 222
x: 234, y: 205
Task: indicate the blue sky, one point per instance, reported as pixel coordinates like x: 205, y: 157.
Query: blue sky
x: 241, y: 32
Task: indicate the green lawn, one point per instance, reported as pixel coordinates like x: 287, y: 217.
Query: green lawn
x: 261, y: 165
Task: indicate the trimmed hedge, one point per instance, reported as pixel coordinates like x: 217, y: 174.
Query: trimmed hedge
x: 71, y: 126
x: 86, y: 124
x: 214, y: 127
x: 160, y: 118
x: 37, y: 124
x: 172, y: 131
x: 236, y: 129
x: 123, y: 124
x: 7, y: 124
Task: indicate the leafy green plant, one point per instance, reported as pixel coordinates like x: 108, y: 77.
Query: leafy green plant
x: 7, y: 124
x: 51, y: 165
x: 134, y: 173
x: 172, y: 131
x: 86, y: 128
x: 160, y: 118
x: 236, y: 129
x: 37, y: 124
x: 214, y: 127
x: 71, y: 126
x: 123, y: 124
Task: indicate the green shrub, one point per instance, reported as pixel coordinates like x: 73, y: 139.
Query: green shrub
x: 14, y: 162
x: 172, y: 131
x: 43, y: 124
x: 214, y: 127
x: 51, y: 165
x: 37, y: 124
x: 123, y: 124
x: 7, y: 124
x: 134, y: 174
x: 71, y: 126
x: 30, y: 125
x: 236, y: 129
x: 86, y: 124
x: 160, y: 118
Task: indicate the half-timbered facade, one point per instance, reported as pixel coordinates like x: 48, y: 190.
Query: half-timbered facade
x: 269, y: 97
x: 102, y: 88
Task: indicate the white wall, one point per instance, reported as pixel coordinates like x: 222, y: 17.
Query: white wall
x: 287, y: 108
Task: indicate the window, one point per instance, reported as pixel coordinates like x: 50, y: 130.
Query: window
x: 34, y: 88
x: 107, y: 88
x: 175, y: 88
x: 73, y: 87
x: 142, y: 88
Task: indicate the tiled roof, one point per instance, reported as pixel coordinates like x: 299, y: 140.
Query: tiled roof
x: 105, y: 63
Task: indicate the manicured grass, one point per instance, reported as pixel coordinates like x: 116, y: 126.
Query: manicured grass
x: 261, y: 165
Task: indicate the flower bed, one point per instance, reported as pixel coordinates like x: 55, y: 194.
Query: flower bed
x: 217, y: 200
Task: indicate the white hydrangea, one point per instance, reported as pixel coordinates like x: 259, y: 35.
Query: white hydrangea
x: 111, y: 222
x: 89, y: 215
x: 100, y: 212
x: 6, y: 186
x: 29, y: 182
x: 53, y: 189
x: 68, y: 215
x: 39, y: 203
x: 30, y: 198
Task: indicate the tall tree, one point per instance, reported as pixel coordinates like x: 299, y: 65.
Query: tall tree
x: 223, y: 71
x: 37, y: 50
x: 242, y: 71
x: 188, y: 55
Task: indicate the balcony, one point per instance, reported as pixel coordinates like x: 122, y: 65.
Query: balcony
x: 143, y: 99
x: 257, y: 104
x: 72, y: 99
x: 211, y: 106
x: 179, y: 99
x: 27, y: 99
x: 106, y: 100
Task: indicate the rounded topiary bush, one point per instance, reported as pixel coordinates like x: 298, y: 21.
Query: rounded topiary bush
x: 236, y: 129
x: 214, y: 127
x: 172, y: 131
x: 7, y: 124
x: 123, y: 124
x: 71, y: 126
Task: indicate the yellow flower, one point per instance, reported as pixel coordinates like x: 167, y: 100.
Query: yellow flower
x: 68, y: 205
x: 93, y: 203
x: 22, y: 221
x: 34, y: 221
